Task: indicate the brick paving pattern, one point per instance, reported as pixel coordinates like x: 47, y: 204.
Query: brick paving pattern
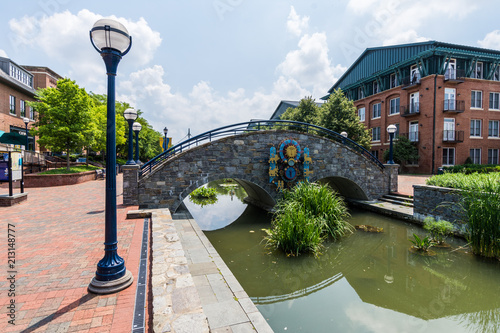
x: 59, y: 240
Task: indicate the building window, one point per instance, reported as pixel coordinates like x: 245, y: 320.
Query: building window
x: 375, y: 153
x: 361, y: 114
x: 361, y: 93
x: 12, y: 104
x: 476, y: 99
x: 448, y: 156
x: 475, y: 155
x: 475, y: 128
x: 31, y: 112
x: 496, y: 73
x: 377, y: 110
x: 394, y: 106
x: 477, y: 71
x: 376, y: 89
x: 376, y: 134
x: 494, y: 98
x: 414, y: 75
x: 22, y: 108
x: 492, y: 156
x: 493, y: 129
x: 414, y: 106
x: 393, y: 80
x: 413, y: 133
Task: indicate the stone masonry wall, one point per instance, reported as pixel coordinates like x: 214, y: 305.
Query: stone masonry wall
x: 246, y: 157
x: 439, y: 202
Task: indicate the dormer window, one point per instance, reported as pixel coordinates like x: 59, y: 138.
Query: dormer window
x: 376, y: 89
x: 21, y: 75
x: 477, y: 71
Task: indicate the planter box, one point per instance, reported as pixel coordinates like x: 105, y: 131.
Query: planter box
x: 36, y: 180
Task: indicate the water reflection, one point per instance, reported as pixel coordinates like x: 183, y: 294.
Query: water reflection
x: 368, y: 282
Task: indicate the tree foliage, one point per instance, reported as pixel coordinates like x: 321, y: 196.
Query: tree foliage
x: 337, y: 114
x: 64, y: 121
x: 404, y: 150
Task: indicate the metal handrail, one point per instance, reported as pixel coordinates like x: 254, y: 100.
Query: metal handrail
x: 254, y: 126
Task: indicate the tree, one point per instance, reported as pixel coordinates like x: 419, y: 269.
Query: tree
x: 306, y: 111
x: 337, y: 114
x: 404, y: 150
x: 100, y: 118
x: 64, y: 121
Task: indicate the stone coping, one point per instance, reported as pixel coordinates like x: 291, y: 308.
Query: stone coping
x: 193, y: 289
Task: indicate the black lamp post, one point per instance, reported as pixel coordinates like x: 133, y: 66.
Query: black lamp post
x: 137, y: 128
x: 391, y: 129
x: 26, y: 121
x: 112, y: 41
x: 165, y: 131
x: 130, y: 115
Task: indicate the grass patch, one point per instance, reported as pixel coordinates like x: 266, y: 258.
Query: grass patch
x: 481, y: 202
x: 73, y: 169
x: 465, y: 182
x: 306, y: 216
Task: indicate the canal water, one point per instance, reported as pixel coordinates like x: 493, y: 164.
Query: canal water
x: 366, y: 282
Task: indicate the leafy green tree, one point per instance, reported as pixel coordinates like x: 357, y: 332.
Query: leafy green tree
x: 64, y: 121
x: 306, y: 111
x: 337, y: 114
x: 149, y: 140
x: 404, y: 150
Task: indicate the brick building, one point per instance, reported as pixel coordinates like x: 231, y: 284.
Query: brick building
x: 445, y: 98
x: 18, y: 85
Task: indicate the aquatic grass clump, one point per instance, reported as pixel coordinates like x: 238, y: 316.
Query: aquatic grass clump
x: 439, y: 229
x: 481, y: 202
x: 305, y: 217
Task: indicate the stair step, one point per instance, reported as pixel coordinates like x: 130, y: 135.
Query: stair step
x: 397, y: 202
x: 399, y: 197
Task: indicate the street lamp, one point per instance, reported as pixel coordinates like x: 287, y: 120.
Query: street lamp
x: 26, y: 121
x: 137, y: 128
x: 391, y: 129
x: 131, y: 116
x: 165, y: 131
x: 112, y: 41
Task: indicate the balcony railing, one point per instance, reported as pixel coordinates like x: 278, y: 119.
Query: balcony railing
x: 453, y: 74
x: 410, y: 109
x: 453, y: 136
x: 411, y: 136
x: 452, y: 105
x: 410, y: 81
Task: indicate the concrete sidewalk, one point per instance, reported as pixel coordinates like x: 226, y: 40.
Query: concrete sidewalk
x: 59, y: 236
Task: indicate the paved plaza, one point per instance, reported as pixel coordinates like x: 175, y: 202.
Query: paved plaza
x: 59, y: 235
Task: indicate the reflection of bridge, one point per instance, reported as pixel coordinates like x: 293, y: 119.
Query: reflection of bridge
x: 242, y: 152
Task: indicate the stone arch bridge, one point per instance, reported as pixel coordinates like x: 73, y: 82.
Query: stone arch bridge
x: 244, y: 152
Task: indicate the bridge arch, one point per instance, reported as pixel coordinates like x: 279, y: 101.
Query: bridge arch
x: 244, y: 156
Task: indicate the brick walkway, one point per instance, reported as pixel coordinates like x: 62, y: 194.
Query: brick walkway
x: 405, y: 183
x: 59, y: 240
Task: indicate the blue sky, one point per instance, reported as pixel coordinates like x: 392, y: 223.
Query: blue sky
x: 201, y: 64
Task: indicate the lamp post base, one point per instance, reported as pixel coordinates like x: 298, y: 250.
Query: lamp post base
x: 110, y: 287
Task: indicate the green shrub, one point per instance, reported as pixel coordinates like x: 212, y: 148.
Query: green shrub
x: 204, y: 192
x: 73, y: 169
x: 305, y: 217
x: 472, y: 168
x: 465, y: 181
x: 438, y: 229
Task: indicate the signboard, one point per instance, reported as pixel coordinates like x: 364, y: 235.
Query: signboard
x: 4, y: 171
x: 17, y: 165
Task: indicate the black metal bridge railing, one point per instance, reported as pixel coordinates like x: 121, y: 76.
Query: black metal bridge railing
x: 253, y: 126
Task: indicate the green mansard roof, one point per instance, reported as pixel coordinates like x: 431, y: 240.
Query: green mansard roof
x: 378, y: 61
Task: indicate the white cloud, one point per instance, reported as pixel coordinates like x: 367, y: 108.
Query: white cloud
x: 491, y: 40
x: 310, y: 64
x: 404, y: 37
x: 3, y: 53
x: 295, y: 24
x: 64, y: 33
